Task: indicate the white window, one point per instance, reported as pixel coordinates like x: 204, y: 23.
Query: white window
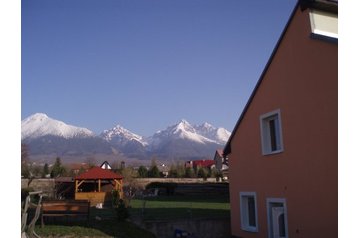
x: 324, y: 24
x: 271, y: 133
x: 248, y: 211
x: 277, y: 218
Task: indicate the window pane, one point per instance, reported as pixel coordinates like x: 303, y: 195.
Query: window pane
x: 281, y: 223
x: 251, y: 211
x: 273, y: 136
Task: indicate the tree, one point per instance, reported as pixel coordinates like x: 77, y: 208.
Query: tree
x: 25, y: 170
x: 173, y: 173
x: 45, y: 170
x: 91, y: 162
x: 129, y: 175
x: 142, y: 172
x: 189, y: 172
x: 57, y: 169
x: 203, y: 173
x: 36, y: 170
x: 153, y: 172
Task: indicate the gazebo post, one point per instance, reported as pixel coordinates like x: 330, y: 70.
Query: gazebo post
x: 76, y: 187
x: 99, y: 185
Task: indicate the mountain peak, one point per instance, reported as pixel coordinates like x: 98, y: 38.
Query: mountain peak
x: 39, y: 115
x: 207, y: 125
x: 121, y: 135
x: 39, y: 124
x: 183, y: 121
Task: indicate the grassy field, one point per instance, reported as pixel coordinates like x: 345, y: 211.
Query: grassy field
x: 181, y: 207
x: 106, y: 225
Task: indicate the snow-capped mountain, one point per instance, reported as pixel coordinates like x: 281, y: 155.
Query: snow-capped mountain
x: 39, y: 124
x: 182, y: 130
x: 219, y: 135
x: 47, y: 136
x: 120, y: 135
x: 181, y: 140
x: 125, y: 141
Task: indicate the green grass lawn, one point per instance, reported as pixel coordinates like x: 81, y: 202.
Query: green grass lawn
x: 181, y: 207
x: 156, y: 208
x: 107, y: 226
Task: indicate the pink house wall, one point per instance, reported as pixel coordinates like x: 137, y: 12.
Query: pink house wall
x: 301, y: 81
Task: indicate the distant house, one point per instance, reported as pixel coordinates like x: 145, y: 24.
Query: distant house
x: 283, y: 151
x: 105, y: 165
x: 221, y: 162
x: 209, y: 164
x: 164, y: 170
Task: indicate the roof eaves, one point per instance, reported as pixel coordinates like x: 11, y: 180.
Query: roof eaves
x: 227, y: 148
x: 324, y: 5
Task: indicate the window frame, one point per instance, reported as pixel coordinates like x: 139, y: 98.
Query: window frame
x: 269, y: 204
x: 324, y: 25
x: 266, y: 136
x: 244, y: 213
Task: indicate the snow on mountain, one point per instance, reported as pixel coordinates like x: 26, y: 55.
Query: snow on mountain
x: 182, y: 130
x: 45, y: 135
x: 39, y: 124
x: 120, y: 135
x: 219, y: 135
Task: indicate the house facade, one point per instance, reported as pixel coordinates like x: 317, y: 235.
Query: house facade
x: 221, y: 162
x: 283, y: 151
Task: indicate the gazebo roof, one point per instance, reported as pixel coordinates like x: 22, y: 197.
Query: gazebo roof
x: 99, y: 173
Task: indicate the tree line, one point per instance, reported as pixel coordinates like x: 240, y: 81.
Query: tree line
x: 178, y: 170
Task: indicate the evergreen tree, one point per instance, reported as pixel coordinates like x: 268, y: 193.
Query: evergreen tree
x: 58, y: 169
x: 189, y: 172
x: 45, y: 170
x: 153, y: 172
x: 142, y: 172
x: 203, y: 173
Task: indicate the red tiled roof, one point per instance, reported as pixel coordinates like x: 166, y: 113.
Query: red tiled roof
x: 203, y: 163
x: 99, y: 173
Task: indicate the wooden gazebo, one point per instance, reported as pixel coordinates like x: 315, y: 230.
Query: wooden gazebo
x: 97, y: 184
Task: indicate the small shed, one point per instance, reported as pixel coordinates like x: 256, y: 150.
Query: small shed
x: 97, y: 186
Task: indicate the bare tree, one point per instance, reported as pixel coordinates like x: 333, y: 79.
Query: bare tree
x: 25, y: 169
x: 91, y: 162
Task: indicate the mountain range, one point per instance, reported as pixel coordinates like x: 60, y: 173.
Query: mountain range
x: 51, y: 137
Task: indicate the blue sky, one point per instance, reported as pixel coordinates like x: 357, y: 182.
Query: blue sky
x: 145, y: 64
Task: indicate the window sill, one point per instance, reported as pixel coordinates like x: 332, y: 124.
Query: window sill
x: 250, y: 229
x: 272, y: 152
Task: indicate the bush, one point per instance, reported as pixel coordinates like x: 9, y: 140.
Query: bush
x: 120, y: 206
x: 122, y: 210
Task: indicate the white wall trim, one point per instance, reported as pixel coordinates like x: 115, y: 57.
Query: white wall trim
x: 264, y: 149
x: 243, y: 215
x: 324, y: 23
